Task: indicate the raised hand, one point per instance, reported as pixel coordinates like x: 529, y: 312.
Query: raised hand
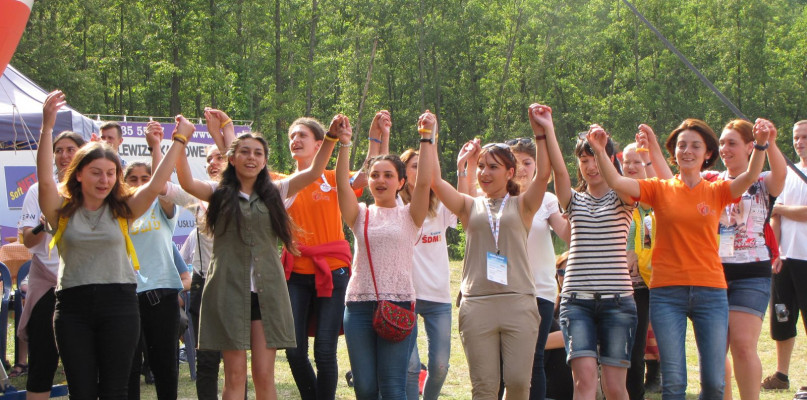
x: 541, y: 119
x: 597, y: 138
x: 154, y: 135
x: 427, y: 124
x: 184, y: 127
x: 382, y: 122
x: 53, y: 103
x: 340, y: 126
x: 771, y: 128
x: 764, y: 131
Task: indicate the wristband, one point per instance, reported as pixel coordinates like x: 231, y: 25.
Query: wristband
x: 462, y: 173
x: 374, y: 140
x: 427, y: 140
x: 540, y: 137
x: 179, y: 138
x: 330, y: 138
x: 228, y: 121
x: 348, y: 144
x: 424, y: 130
x: 761, y: 147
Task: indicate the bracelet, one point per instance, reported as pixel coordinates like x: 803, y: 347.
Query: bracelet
x: 424, y: 130
x: 540, y: 137
x: 228, y: 121
x: 374, y: 140
x: 179, y: 138
x: 761, y: 147
x: 151, y: 150
x: 330, y: 138
x: 427, y: 140
x: 348, y: 144
x: 462, y: 173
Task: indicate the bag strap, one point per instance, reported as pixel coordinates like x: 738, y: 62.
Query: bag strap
x: 367, y: 246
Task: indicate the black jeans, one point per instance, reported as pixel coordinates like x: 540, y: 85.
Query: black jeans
x: 43, y: 358
x: 207, y: 362
x: 159, y: 322
x: 635, y: 377
x: 97, y: 327
x: 327, y: 314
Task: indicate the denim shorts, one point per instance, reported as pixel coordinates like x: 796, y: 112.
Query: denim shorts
x: 603, y: 329
x: 750, y: 295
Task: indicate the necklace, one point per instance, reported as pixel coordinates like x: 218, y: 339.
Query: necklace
x: 87, y: 215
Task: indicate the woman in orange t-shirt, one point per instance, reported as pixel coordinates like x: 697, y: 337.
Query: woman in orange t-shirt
x: 687, y: 278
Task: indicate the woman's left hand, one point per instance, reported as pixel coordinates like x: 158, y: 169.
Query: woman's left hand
x: 184, y: 127
x: 764, y: 130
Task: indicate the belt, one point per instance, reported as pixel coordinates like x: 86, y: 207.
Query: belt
x: 593, y: 296
x: 155, y: 295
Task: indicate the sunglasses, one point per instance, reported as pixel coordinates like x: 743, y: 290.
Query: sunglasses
x: 513, y: 142
x: 499, y: 145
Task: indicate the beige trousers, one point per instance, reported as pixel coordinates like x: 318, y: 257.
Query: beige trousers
x: 499, y: 329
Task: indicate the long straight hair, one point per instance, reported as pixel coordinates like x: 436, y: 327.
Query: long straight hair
x: 224, y: 203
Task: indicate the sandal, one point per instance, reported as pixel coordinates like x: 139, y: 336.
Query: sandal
x: 18, y: 370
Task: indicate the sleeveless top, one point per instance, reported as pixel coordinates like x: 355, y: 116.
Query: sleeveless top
x: 512, y: 244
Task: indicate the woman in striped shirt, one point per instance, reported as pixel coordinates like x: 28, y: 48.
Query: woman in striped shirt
x: 597, y: 310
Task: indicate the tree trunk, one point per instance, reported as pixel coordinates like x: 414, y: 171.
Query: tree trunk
x: 312, y: 44
x: 363, y: 98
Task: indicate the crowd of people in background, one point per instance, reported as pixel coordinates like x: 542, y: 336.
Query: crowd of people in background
x: 648, y: 249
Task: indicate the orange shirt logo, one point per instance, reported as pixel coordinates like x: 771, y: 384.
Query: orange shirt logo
x: 704, y: 209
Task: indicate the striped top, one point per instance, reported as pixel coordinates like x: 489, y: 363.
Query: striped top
x: 597, y: 261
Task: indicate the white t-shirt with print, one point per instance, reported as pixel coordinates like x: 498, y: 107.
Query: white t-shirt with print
x: 430, y: 273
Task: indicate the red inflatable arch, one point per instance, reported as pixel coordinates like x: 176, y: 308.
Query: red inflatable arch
x: 15, y: 15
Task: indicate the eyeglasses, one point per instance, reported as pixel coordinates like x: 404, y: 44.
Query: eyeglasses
x: 499, y: 145
x: 513, y: 142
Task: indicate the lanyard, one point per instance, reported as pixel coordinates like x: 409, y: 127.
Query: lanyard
x: 494, y: 228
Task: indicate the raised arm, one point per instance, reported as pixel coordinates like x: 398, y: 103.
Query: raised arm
x: 220, y: 127
x: 348, y: 204
x: 340, y: 126
x: 49, y: 200
x: 141, y: 200
x: 458, y: 203
x: 540, y: 117
x: 739, y: 185
x: 419, y: 206
x: 196, y: 188
x: 563, y: 184
x: 775, y: 181
x: 625, y: 188
x: 643, y: 149
x: 154, y: 137
x: 657, y: 160
x: 467, y: 160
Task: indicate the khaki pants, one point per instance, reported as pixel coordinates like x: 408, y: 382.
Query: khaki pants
x: 499, y: 329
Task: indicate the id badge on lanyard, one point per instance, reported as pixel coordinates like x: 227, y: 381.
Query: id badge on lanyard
x: 496, y: 263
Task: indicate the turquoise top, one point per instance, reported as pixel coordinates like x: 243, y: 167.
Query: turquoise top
x: 151, y: 235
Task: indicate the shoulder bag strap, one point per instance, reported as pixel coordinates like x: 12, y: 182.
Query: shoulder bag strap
x: 367, y: 246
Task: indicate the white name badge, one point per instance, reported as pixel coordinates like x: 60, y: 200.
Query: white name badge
x: 497, y: 268
x: 325, y: 187
x: 726, y: 248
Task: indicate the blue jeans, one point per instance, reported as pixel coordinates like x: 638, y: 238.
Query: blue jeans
x: 708, y: 308
x: 379, y: 366
x: 326, y: 313
x: 437, y: 319
x: 599, y: 328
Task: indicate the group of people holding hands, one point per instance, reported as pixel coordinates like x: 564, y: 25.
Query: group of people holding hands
x: 645, y: 246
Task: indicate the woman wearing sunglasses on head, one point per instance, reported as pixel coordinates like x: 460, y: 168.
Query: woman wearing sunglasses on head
x: 496, y: 273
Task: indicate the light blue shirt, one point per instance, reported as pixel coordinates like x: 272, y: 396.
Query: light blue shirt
x: 151, y: 235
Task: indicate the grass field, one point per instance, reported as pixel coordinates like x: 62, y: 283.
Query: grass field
x: 458, y: 385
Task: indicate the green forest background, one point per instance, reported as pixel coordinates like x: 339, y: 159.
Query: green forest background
x: 476, y: 64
